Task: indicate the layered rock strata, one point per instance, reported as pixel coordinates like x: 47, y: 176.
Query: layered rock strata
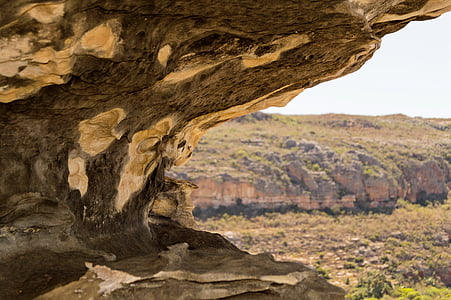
x: 348, y: 187
x: 99, y: 98
x: 337, y: 162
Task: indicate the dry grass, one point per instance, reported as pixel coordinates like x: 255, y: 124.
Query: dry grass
x: 408, y: 246
x: 390, y: 139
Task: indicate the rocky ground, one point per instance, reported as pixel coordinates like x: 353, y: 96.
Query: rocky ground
x: 327, y: 162
x: 409, y: 248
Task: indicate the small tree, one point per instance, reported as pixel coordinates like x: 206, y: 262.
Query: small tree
x: 374, y: 285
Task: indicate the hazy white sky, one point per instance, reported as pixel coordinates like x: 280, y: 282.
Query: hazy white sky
x: 409, y: 74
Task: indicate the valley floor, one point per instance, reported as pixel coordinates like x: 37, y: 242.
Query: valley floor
x: 408, y: 250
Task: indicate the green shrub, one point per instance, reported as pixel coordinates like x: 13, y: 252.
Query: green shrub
x: 316, y: 167
x: 429, y: 293
x: 384, y: 259
x: 240, y: 154
x: 375, y: 285
x: 349, y: 265
x: 323, y: 272
x: 370, y: 171
x: 359, y: 260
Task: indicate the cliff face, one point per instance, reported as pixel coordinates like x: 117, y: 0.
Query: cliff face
x: 320, y: 162
x: 99, y: 98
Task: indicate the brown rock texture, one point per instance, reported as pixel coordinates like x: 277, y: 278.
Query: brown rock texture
x: 100, y: 98
x: 427, y: 180
x: 180, y: 273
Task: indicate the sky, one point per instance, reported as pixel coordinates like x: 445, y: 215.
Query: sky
x: 409, y: 74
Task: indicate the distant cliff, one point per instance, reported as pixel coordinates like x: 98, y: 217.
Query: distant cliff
x: 321, y: 162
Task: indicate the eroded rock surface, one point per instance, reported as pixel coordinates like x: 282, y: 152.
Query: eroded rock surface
x: 180, y: 273
x: 99, y: 98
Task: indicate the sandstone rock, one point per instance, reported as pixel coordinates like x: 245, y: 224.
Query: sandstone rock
x: 427, y: 181
x: 350, y: 176
x: 380, y: 189
x: 174, y: 202
x: 100, y: 98
x: 300, y: 175
x: 198, y: 274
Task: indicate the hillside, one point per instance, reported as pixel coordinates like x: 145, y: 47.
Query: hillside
x: 328, y: 162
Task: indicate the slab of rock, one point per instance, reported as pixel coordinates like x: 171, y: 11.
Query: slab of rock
x: 180, y: 273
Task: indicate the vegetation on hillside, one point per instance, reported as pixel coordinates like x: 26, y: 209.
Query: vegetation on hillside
x: 403, y: 255
x: 320, y: 162
x: 254, y: 137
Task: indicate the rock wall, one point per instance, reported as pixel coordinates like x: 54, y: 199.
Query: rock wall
x: 367, y: 169
x: 99, y: 98
x: 348, y: 187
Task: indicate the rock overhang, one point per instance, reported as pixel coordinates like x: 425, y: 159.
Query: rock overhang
x: 100, y: 97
